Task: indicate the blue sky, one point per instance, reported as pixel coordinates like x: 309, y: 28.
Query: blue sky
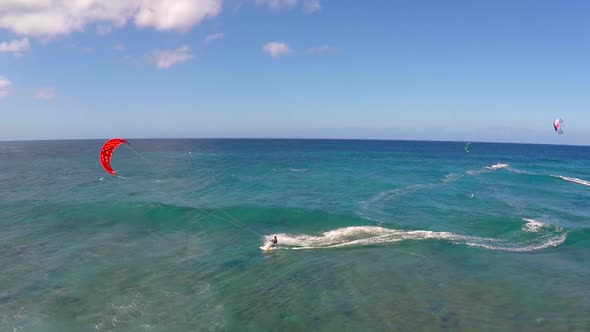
x: 441, y: 70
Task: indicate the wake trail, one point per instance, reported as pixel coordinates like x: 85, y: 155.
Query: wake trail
x: 358, y: 236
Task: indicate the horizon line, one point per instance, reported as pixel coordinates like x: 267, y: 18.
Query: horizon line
x: 292, y: 139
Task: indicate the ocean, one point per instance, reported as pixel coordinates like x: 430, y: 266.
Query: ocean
x: 372, y: 236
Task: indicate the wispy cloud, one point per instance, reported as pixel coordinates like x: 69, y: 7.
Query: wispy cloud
x: 52, y: 18
x: 309, y: 6
x: 45, y: 93
x: 166, y: 59
x: 321, y: 49
x: 276, y: 49
x: 312, y: 6
x: 16, y: 47
x: 104, y: 30
x: 213, y: 37
x: 277, y: 4
x: 119, y: 47
x: 4, y: 85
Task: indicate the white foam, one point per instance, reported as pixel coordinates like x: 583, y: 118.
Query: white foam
x: 518, y: 171
x: 487, y: 169
x: 297, y: 169
x: 497, y: 166
x: 451, y: 177
x: 473, y: 172
x: 532, y: 225
x: 381, y: 195
x: 574, y: 180
x: 357, y: 235
x: 388, y: 194
x: 375, y: 235
x: 392, y: 193
x: 546, y: 242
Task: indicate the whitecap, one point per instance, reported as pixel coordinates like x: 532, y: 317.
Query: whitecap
x: 497, y: 166
x: 532, y: 225
x: 574, y: 180
x: 297, y: 169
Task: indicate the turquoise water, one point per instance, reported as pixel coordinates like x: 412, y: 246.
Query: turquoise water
x: 373, y: 236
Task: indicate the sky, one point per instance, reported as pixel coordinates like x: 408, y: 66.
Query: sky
x: 498, y: 71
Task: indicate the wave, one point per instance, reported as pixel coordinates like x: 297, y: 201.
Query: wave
x: 451, y: 177
x: 455, y: 176
x: 297, y: 169
x: 519, y: 171
x: 497, y: 166
x: 494, y: 167
x: 448, y: 178
x: 358, y: 236
x: 388, y: 194
x: 574, y: 180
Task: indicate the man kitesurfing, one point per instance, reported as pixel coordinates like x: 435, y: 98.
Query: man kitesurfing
x: 273, y: 243
x: 106, y: 153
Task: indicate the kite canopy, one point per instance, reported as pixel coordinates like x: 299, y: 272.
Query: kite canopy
x: 557, y: 125
x: 107, y: 151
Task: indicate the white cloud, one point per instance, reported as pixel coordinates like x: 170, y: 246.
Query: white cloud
x: 119, y: 47
x: 276, y: 49
x: 277, y: 4
x: 50, y: 18
x: 166, y: 59
x: 321, y: 49
x: 312, y: 6
x: 175, y: 14
x: 4, y: 85
x: 45, y: 93
x: 16, y: 47
x: 212, y: 37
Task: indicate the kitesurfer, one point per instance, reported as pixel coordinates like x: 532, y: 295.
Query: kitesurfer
x: 273, y: 242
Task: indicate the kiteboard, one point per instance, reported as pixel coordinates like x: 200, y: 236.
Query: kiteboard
x: 265, y: 248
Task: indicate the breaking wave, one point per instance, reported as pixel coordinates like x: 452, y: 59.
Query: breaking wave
x: 497, y: 166
x: 494, y: 167
x: 574, y: 180
x: 297, y: 169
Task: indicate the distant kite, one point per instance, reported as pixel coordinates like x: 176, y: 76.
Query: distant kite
x: 557, y: 126
x: 107, y: 151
